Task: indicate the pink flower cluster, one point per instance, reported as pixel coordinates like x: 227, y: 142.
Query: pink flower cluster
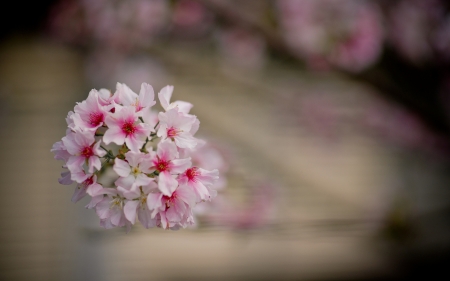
x: 148, y: 152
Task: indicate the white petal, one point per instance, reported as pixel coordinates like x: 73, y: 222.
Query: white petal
x: 167, y: 184
x: 115, y: 135
x: 121, y: 167
x: 180, y: 165
x: 164, y: 96
x: 147, y: 95
x: 130, y: 210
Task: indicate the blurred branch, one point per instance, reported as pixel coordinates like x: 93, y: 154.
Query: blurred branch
x: 419, y: 94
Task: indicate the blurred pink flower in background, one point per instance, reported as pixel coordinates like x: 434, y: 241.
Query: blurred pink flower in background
x: 419, y: 30
x: 242, y: 48
x: 122, y: 25
x: 191, y: 19
x: 256, y: 212
x: 346, y: 34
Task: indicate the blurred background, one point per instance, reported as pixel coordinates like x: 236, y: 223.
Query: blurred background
x: 328, y: 120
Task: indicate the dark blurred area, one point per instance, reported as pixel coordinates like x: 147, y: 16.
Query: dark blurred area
x: 28, y: 17
x: 330, y: 121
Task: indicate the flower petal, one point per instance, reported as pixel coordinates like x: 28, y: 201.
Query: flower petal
x: 115, y: 135
x: 130, y: 210
x: 121, y: 167
x: 164, y: 96
x: 167, y: 183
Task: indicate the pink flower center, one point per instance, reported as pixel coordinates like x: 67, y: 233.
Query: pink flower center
x: 170, y: 200
x: 192, y: 173
x: 162, y: 165
x: 172, y: 132
x: 95, y: 118
x: 89, y: 181
x: 87, y: 152
x: 128, y: 128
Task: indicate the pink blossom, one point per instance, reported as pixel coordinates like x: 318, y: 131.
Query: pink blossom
x: 200, y: 181
x: 84, y: 150
x: 110, y: 209
x: 89, y: 114
x: 177, y: 127
x: 137, y: 204
x: 166, y: 163
x: 124, y: 127
x: 133, y: 171
x: 173, y: 209
x: 88, y: 186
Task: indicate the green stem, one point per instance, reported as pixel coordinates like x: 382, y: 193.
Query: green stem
x: 109, y: 154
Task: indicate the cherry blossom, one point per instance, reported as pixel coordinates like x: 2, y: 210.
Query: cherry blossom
x: 200, y: 181
x: 165, y: 162
x: 125, y: 127
x: 133, y: 171
x: 88, y: 186
x: 174, y: 208
x: 84, y: 150
x: 110, y: 209
x: 177, y: 127
x: 89, y: 114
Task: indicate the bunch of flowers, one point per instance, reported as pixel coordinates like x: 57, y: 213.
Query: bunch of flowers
x: 148, y: 153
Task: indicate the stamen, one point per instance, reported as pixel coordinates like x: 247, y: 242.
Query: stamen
x: 128, y: 128
x: 162, y: 165
x: 87, y: 152
x: 95, y: 118
x: 172, y: 132
x: 192, y: 173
